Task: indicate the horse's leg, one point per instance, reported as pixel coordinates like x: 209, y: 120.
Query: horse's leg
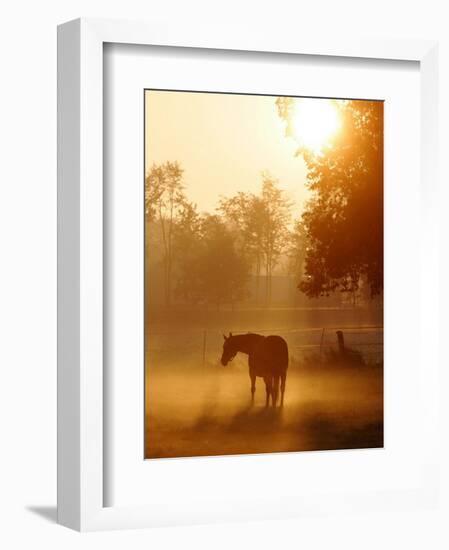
x: 275, y: 390
x: 283, y: 378
x: 268, y: 389
x: 253, y: 386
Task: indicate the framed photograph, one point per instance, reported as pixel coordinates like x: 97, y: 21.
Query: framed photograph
x: 244, y: 226
x: 246, y: 268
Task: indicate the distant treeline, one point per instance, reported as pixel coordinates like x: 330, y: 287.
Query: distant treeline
x: 230, y: 256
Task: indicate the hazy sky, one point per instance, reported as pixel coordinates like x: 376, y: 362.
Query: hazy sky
x: 223, y: 142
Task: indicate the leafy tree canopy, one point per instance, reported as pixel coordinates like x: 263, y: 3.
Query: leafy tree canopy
x: 343, y: 222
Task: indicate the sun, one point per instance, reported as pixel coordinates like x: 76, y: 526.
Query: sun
x: 314, y: 122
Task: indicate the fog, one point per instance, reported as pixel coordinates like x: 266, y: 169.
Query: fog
x: 197, y: 407
x: 262, y: 215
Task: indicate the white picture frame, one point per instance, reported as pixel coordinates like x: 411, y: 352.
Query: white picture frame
x: 81, y: 488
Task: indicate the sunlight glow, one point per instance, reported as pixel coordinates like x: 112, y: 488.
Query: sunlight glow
x: 314, y: 122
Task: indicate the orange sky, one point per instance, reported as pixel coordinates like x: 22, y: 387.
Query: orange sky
x: 223, y: 142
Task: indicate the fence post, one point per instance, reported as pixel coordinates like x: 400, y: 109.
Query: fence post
x: 204, y: 347
x: 341, y: 342
x: 321, y: 345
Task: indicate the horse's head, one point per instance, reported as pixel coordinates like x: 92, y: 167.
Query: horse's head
x: 229, y: 349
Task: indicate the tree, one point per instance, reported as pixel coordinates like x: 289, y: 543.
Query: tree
x: 244, y: 213
x: 275, y: 214
x: 187, y: 243
x: 220, y: 272
x: 164, y: 197
x: 343, y: 221
x: 296, y: 252
x: 262, y: 224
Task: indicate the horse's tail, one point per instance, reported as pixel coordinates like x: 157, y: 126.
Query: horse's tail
x: 275, y: 389
x: 283, y: 378
x: 283, y: 373
x: 285, y: 357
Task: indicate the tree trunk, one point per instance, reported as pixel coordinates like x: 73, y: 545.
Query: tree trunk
x: 266, y: 281
x: 166, y: 256
x: 258, y: 278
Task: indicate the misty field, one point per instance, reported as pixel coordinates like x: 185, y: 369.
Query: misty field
x: 263, y: 215
x: 197, y: 407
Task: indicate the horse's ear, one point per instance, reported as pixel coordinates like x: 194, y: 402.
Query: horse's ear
x: 225, y: 337
x: 230, y: 334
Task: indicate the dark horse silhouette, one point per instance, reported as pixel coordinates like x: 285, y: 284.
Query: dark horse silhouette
x: 267, y: 358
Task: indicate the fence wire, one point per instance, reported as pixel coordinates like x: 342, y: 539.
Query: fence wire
x: 204, y: 346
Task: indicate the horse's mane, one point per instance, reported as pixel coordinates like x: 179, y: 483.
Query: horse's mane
x: 246, y: 339
x: 248, y: 334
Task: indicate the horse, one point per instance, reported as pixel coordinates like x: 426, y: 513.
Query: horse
x: 267, y: 358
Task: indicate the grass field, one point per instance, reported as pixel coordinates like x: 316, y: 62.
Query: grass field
x: 197, y: 407
x: 198, y: 411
